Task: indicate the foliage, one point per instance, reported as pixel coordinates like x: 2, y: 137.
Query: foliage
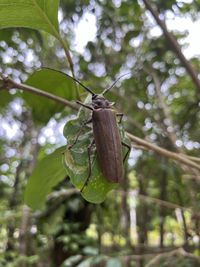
x: 157, y: 207
x: 47, y: 174
x: 36, y: 14
x: 54, y: 82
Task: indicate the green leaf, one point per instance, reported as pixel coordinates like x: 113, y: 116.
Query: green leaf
x: 5, y: 98
x: 51, y: 81
x: 48, y: 173
x: 76, y: 160
x: 6, y: 35
x: 35, y: 14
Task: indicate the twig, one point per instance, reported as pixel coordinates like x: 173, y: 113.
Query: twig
x: 158, y: 201
x: 192, y: 158
x: 163, y: 152
x: 164, y: 203
x: 9, y: 83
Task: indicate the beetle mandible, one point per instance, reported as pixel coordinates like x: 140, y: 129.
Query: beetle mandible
x: 106, y: 136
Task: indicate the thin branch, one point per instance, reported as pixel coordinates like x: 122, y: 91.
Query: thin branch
x: 192, y: 158
x: 158, y: 201
x: 9, y: 83
x: 164, y: 203
x: 174, y: 44
x: 164, y: 152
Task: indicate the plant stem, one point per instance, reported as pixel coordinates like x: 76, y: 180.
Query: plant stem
x: 176, y: 156
x: 8, y: 84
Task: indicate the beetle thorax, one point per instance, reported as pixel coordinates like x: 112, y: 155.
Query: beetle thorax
x: 98, y: 101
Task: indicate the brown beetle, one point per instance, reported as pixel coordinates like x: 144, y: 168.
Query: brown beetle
x: 106, y: 137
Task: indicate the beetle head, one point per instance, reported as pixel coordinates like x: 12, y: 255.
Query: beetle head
x: 98, y: 101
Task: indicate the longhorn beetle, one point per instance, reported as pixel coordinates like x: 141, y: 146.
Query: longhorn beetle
x: 106, y: 136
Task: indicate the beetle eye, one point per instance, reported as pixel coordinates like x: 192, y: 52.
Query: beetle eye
x: 98, y: 102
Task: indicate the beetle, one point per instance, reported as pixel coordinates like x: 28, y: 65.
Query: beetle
x: 106, y: 135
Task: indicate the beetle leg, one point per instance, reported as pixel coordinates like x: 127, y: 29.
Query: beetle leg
x: 121, y: 116
x: 86, y: 106
x: 129, y: 148
x: 90, y: 165
x: 79, y: 132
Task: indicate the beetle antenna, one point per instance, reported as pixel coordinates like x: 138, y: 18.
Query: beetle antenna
x: 86, y: 88
x: 109, y: 88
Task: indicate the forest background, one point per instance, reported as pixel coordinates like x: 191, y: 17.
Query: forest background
x: 153, y: 219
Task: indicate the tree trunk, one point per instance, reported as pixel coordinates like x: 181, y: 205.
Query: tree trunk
x: 163, y: 192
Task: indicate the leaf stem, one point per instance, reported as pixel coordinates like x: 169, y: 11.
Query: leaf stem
x: 68, y: 56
